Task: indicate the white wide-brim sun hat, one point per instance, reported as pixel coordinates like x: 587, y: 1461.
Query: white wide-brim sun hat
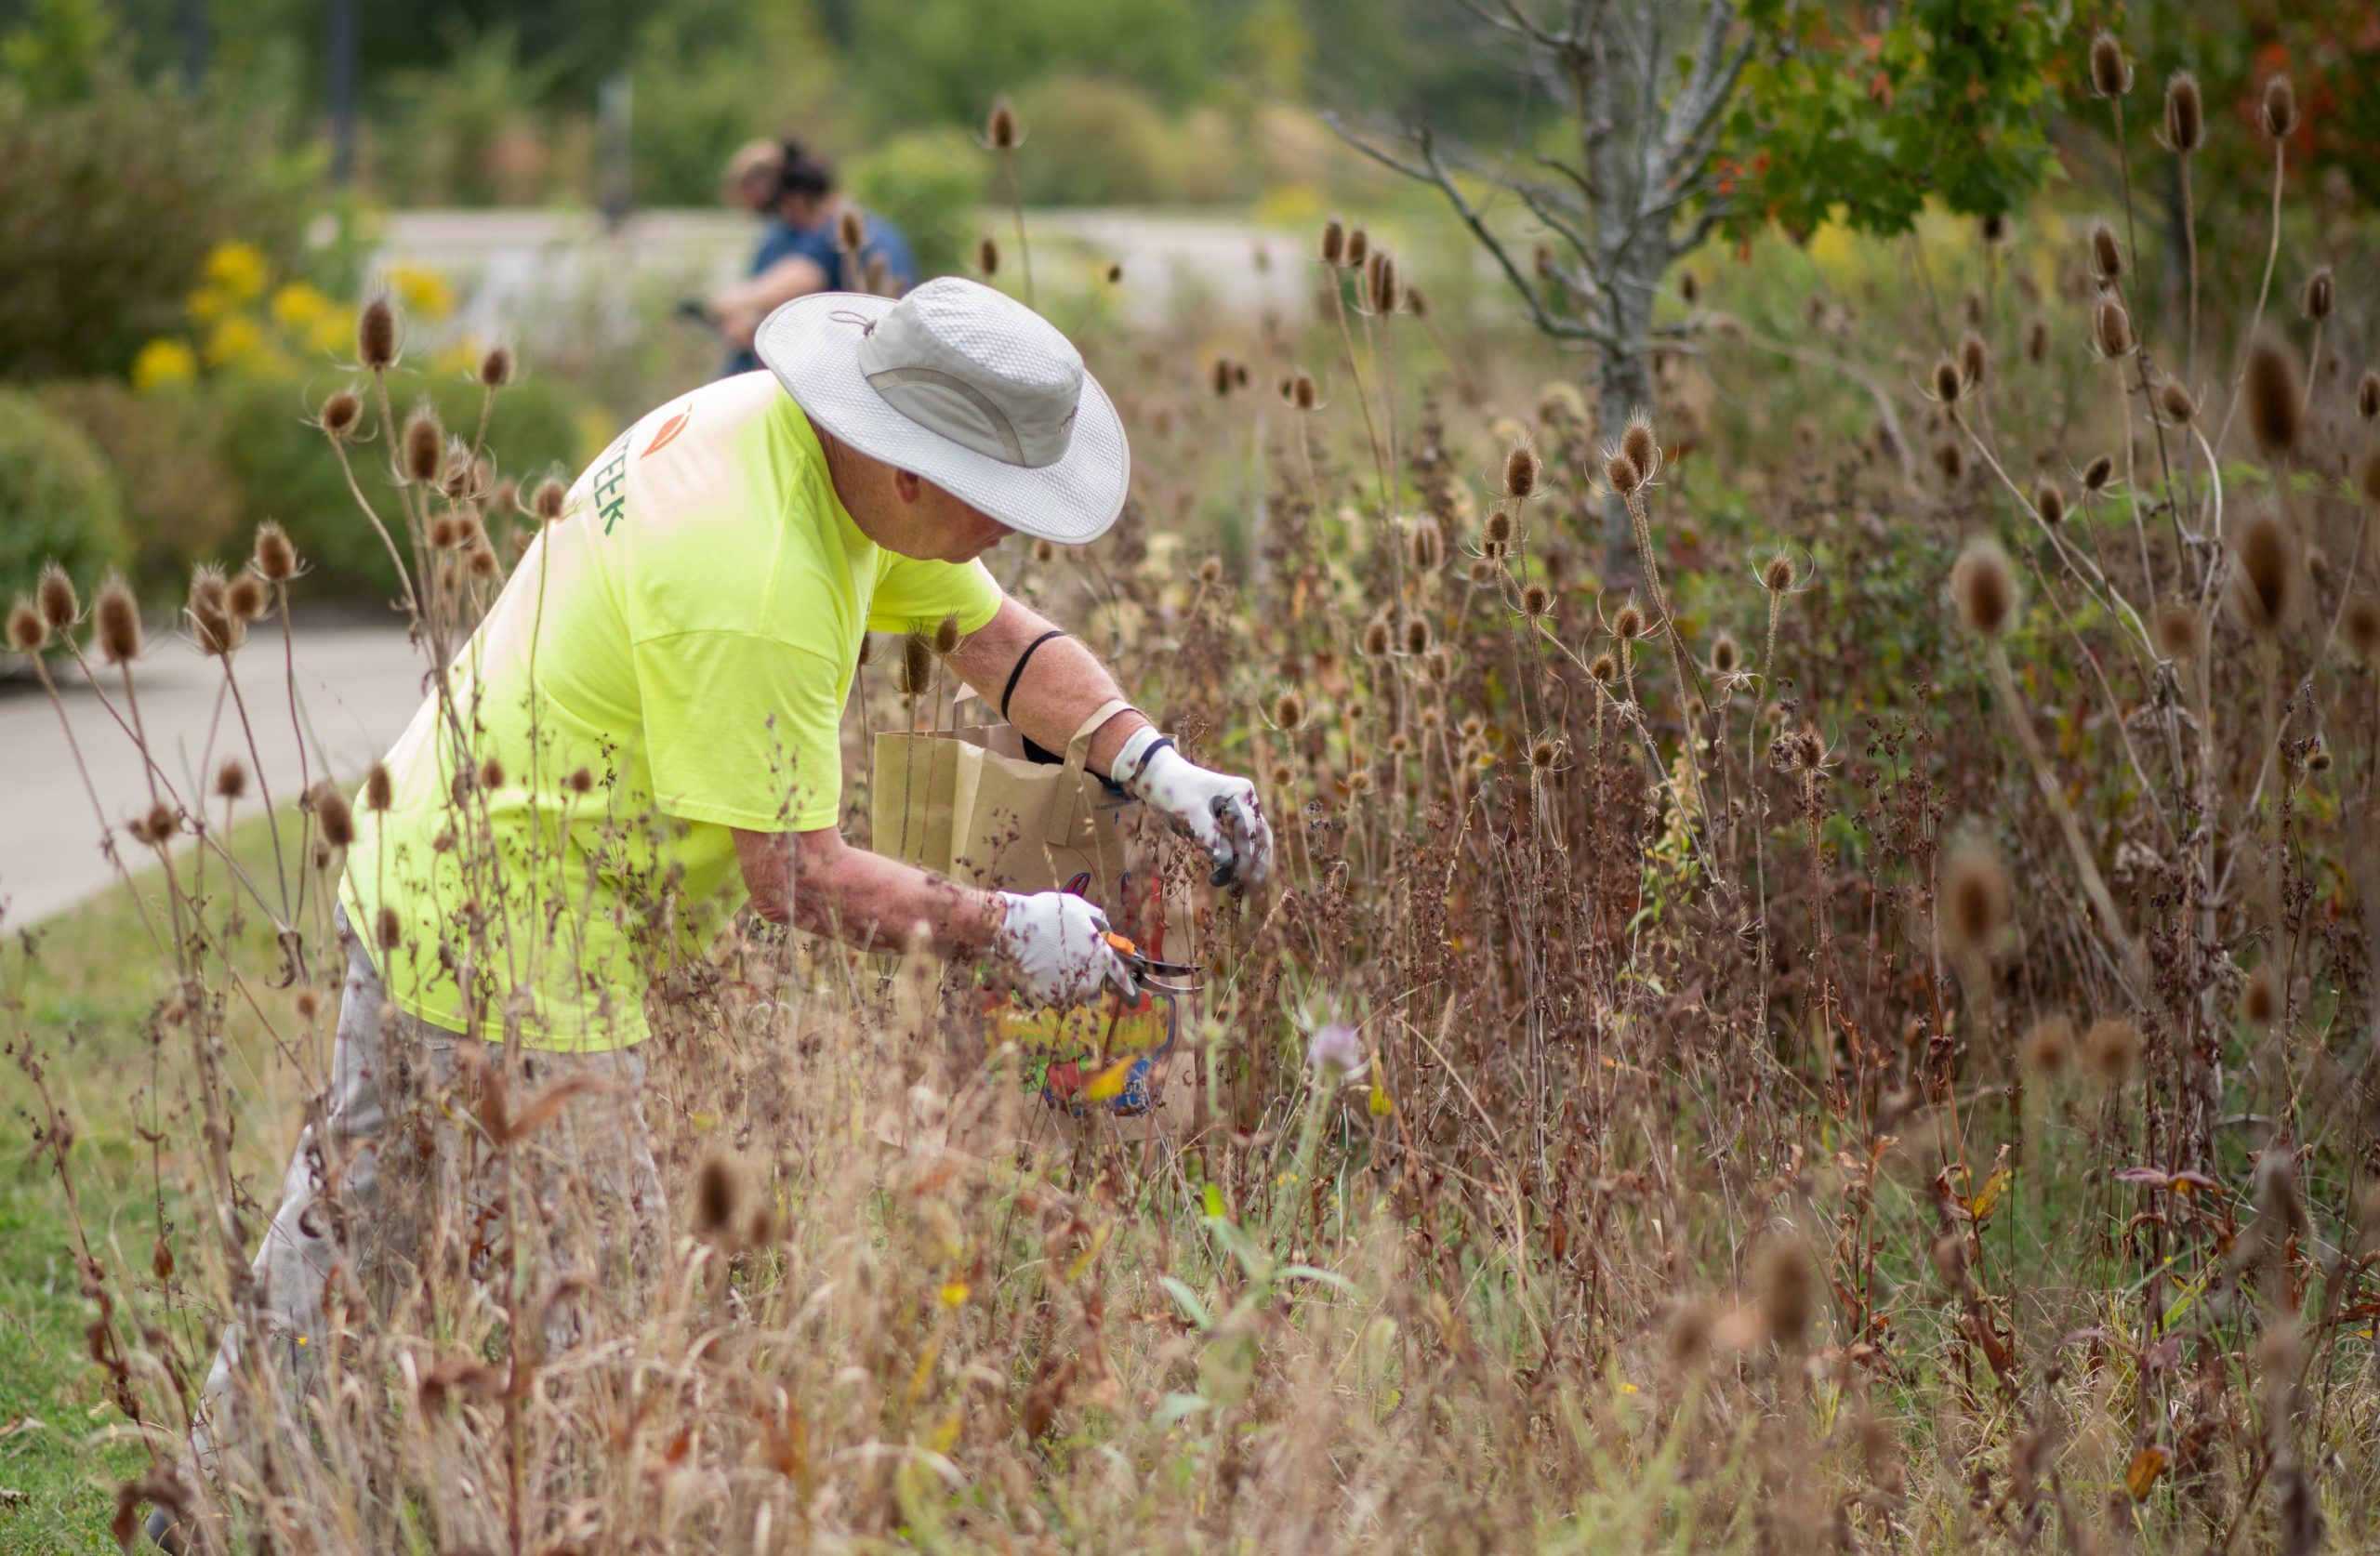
x: 963, y: 387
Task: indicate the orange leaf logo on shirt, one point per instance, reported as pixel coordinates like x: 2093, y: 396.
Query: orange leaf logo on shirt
x: 669, y: 431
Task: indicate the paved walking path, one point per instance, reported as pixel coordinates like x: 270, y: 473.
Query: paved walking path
x: 357, y: 687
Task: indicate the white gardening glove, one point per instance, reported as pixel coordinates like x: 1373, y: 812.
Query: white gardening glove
x: 1220, y: 812
x: 1058, y: 944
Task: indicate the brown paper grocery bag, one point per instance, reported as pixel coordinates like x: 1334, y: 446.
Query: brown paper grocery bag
x: 969, y: 804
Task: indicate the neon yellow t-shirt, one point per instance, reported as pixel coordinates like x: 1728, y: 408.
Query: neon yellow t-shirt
x: 668, y: 662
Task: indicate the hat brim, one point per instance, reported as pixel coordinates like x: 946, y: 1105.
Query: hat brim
x: 811, y: 344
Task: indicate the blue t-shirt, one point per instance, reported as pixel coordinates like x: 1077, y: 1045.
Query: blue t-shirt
x: 780, y: 241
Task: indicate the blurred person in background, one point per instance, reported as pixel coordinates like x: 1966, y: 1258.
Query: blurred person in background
x: 807, y: 248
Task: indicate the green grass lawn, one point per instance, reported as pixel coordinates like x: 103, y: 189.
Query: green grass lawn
x: 77, y: 992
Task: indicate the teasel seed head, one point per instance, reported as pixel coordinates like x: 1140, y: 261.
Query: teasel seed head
x: 2185, y: 113
x: 27, y: 632
x: 1288, y: 711
x: 1603, y: 669
x: 275, y: 560
x: 2111, y: 326
x: 379, y: 790
x: 246, y: 598
x: 158, y: 826
x: 60, y: 607
x: 2112, y: 1048
x: 1974, y: 360
x: 2175, y: 403
x: 232, y: 778
x: 580, y: 782
x: 332, y: 814
x: 2260, y: 1001
x: 496, y: 368
x: 341, y: 414
x: 445, y: 533
x: 1622, y: 473
x: 2367, y: 474
x: 851, y: 231
x: 2280, y: 113
x: 2359, y: 626
x: 1499, y: 529
x: 1438, y: 666
x: 2179, y: 632
x: 987, y: 256
x: 1975, y: 901
x: 1221, y: 378
x: 387, y: 928
x: 1044, y: 552
x: 917, y: 666
x: 2107, y: 254
x: 425, y: 445
x: 549, y: 499
x: 2272, y: 393
x: 2269, y: 570
x: 1334, y: 242
x: 483, y: 561
x: 1983, y: 584
x: 1947, y: 382
x: 1429, y: 547
x: 946, y: 636
x: 1543, y: 752
x: 219, y: 632
x: 1993, y: 227
x: 2367, y: 395
x: 1643, y: 448
x: 1301, y: 391
x: 1787, y: 1301
x: 1360, y: 247
x: 1376, y: 639
x: 1001, y: 129
x: 2097, y: 473
x: 1416, y: 302
x: 1522, y: 470
x: 1950, y: 459
x: 2048, y: 1047
x: 117, y: 617
x: 375, y: 334
x: 2110, y: 74
x: 1725, y: 656
x: 1385, y: 283
x: 2049, y: 502
x: 2037, y: 340
x: 2320, y: 293
x: 1483, y: 568
x: 1417, y: 636
x: 1628, y: 622
x: 1779, y: 575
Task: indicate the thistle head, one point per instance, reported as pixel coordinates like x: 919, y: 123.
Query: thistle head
x: 1288, y: 711
x: 332, y: 814
x: 375, y: 334
x: 2185, y: 113
x: 232, y: 778
x: 117, y: 617
x: 1642, y: 447
x: 1622, y: 473
x: 2180, y: 635
x: 851, y: 231
x: 1537, y: 602
x: 1001, y: 132
x: 246, y: 598
x: 2175, y: 402
x: 1360, y: 247
x: 1383, y: 283
x: 2107, y: 254
x: 1628, y: 622
x: 379, y: 789
x: 28, y: 633
x: 1376, y: 637
x: 1947, y: 384
x: 496, y: 368
x: 549, y: 500
x: 216, y: 629
x: 1727, y: 657
x: 1522, y: 470
x: 1974, y: 901
x: 60, y: 608
x: 2112, y: 1048
x: 2315, y: 299
x: 2359, y: 626
x: 1417, y: 636
x: 2367, y: 395
x: 2111, y: 326
x: 1983, y: 584
x: 1333, y: 248
x: 275, y: 557
x: 2049, y: 503
x: 987, y: 256
x: 2274, y: 401
x: 1974, y: 360
x: 1428, y: 545
x: 340, y: 415
x: 2268, y: 572
x: 2110, y: 73
x: 2097, y: 473
x: 2278, y: 114
x: 425, y: 445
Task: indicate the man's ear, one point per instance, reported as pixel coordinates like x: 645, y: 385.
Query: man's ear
x: 906, y: 486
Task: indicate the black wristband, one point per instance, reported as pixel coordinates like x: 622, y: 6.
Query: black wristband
x: 1024, y: 659
x: 1159, y: 743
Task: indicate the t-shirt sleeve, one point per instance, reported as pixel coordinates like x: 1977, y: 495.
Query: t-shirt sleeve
x: 742, y: 729
x: 914, y: 596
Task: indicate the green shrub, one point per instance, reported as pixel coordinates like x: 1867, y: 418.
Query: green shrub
x: 284, y: 471
x: 931, y: 184
x: 56, y: 500
x: 180, y: 503
x: 110, y: 208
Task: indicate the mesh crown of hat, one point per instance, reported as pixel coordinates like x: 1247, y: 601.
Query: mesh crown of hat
x: 998, y: 333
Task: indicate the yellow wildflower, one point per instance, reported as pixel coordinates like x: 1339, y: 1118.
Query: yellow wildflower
x: 236, y: 342
x: 239, y: 271
x: 424, y: 292
x: 296, y: 305
x: 163, y: 361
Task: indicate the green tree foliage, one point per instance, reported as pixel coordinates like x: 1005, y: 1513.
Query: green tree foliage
x: 58, y: 498
x: 1941, y: 99
x: 942, y: 60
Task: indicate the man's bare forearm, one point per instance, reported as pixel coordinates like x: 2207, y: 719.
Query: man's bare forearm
x: 815, y: 882
x: 1062, y: 684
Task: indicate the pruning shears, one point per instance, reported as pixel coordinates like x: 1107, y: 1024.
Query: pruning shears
x: 1151, y: 973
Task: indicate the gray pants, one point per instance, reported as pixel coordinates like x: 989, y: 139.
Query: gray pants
x: 397, y: 1195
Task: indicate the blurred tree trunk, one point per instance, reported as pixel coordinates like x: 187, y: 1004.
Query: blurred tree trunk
x: 1647, y: 112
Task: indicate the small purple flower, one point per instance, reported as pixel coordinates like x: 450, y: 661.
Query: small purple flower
x: 1335, y: 1050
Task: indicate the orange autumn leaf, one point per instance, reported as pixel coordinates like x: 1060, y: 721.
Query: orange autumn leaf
x: 2141, y: 1478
